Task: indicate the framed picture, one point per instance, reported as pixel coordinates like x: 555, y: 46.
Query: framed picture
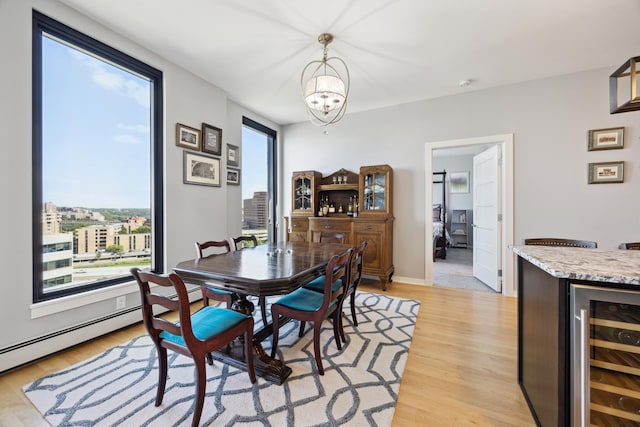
x: 606, y: 139
x: 233, y: 176
x: 211, y: 139
x: 233, y: 155
x: 459, y: 182
x: 201, y: 170
x: 606, y: 172
x: 187, y: 137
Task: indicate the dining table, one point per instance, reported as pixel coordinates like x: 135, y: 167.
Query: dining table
x: 262, y: 271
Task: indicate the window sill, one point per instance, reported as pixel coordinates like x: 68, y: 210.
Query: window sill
x: 58, y: 305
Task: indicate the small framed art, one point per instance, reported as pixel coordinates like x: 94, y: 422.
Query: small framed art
x: 233, y: 155
x: 201, y: 170
x: 606, y: 172
x: 606, y: 139
x: 187, y: 137
x: 459, y: 182
x: 211, y: 139
x: 233, y: 176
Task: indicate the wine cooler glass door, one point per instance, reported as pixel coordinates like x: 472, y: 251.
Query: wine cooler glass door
x: 606, y: 356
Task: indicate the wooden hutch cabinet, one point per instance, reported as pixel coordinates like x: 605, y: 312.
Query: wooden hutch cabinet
x: 331, y: 207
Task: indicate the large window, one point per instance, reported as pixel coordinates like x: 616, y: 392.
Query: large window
x: 97, y: 163
x: 258, y: 180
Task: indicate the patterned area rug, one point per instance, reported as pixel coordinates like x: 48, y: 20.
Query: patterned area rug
x: 359, y: 388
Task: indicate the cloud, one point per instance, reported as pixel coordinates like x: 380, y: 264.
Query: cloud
x: 143, y: 129
x: 116, y: 82
x: 126, y: 139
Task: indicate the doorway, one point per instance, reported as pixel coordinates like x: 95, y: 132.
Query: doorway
x: 474, y: 145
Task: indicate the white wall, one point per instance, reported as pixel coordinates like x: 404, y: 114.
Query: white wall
x: 191, y: 212
x: 549, y: 118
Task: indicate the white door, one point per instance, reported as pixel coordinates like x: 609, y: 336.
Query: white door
x: 486, y: 227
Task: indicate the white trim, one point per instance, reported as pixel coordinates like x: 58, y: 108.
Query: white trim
x: 47, y: 308
x: 508, y: 258
x: 409, y: 280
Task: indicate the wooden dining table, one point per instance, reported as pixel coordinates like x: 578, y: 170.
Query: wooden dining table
x: 266, y: 270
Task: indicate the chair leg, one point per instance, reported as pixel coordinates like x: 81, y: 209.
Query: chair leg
x: 201, y: 384
x: 248, y: 353
x: 276, y: 332
x: 336, y: 329
x: 301, y: 331
x: 263, y: 310
x: 341, y: 326
x: 162, y: 373
x: 316, y: 345
x: 353, y: 309
x: 209, y: 359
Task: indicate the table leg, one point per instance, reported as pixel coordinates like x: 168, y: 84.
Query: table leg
x: 233, y: 354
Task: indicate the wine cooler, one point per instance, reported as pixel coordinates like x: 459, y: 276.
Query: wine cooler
x: 606, y: 356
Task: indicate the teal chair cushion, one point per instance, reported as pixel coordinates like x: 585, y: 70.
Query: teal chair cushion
x: 220, y: 291
x: 207, y: 323
x: 304, y: 300
x: 317, y: 284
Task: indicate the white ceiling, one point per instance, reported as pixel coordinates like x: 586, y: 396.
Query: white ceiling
x: 397, y: 51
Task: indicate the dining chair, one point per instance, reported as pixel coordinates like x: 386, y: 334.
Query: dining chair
x: 355, y: 275
x: 306, y: 305
x: 244, y: 241
x: 193, y: 335
x: 550, y: 241
x: 251, y: 241
x: 215, y: 247
x: 630, y: 245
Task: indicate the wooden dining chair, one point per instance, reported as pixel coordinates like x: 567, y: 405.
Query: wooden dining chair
x: 306, y: 305
x: 630, y: 245
x: 193, y: 335
x: 215, y: 247
x: 251, y: 241
x: 355, y: 275
x: 244, y: 241
x: 550, y: 241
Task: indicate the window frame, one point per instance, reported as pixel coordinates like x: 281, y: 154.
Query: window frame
x: 272, y: 171
x: 42, y: 24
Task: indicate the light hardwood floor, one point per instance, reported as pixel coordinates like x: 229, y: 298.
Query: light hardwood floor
x: 461, y: 369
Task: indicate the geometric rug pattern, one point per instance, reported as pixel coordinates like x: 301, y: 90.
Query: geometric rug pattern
x: 359, y: 388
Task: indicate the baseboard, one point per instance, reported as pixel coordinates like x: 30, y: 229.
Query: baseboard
x: 37, y: 348
x: 410, y: 280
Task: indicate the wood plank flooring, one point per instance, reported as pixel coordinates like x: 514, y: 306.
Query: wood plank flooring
x: 461, y: 370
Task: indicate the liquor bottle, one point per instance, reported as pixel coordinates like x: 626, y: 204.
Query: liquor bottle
x: 350, y: 206
x: 355, y: 206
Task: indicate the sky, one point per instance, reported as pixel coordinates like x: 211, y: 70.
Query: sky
x: 96, y: 135
x: 96, y: 132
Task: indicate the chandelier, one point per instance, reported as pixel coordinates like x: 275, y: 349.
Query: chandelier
x: 325, y: 86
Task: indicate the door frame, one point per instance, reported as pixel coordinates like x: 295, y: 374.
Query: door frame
x: 507, y: 201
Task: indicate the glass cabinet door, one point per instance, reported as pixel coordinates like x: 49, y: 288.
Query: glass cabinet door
x: 374, y: 192
x: 302, y: 189
x: 375, y: 189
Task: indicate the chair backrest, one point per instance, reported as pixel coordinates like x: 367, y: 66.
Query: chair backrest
x: 337, y: 269
x: 561, y: 242
x: 328, y: 237
x: 355, y: 271
x: 200, y: 247
x: 241, y: 242
x: 630, y: 245
x: 156, y: 324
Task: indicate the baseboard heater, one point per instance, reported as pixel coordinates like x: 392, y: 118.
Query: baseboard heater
x: 80, y: 326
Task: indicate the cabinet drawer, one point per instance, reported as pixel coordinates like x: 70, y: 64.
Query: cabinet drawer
x: 325, y: 224
x: 299, y: 224
x: 368, y: 227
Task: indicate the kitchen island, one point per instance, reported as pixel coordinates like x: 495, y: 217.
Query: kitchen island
x: 545, y: 278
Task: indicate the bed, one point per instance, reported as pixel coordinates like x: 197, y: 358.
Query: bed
x: 441, y: 238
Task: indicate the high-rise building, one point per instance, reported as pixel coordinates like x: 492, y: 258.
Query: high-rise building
x: 256, y: 211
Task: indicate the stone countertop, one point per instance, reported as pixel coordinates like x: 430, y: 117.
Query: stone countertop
x: 600, y: 265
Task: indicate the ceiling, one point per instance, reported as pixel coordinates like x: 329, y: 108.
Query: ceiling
x: 397, y: 51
